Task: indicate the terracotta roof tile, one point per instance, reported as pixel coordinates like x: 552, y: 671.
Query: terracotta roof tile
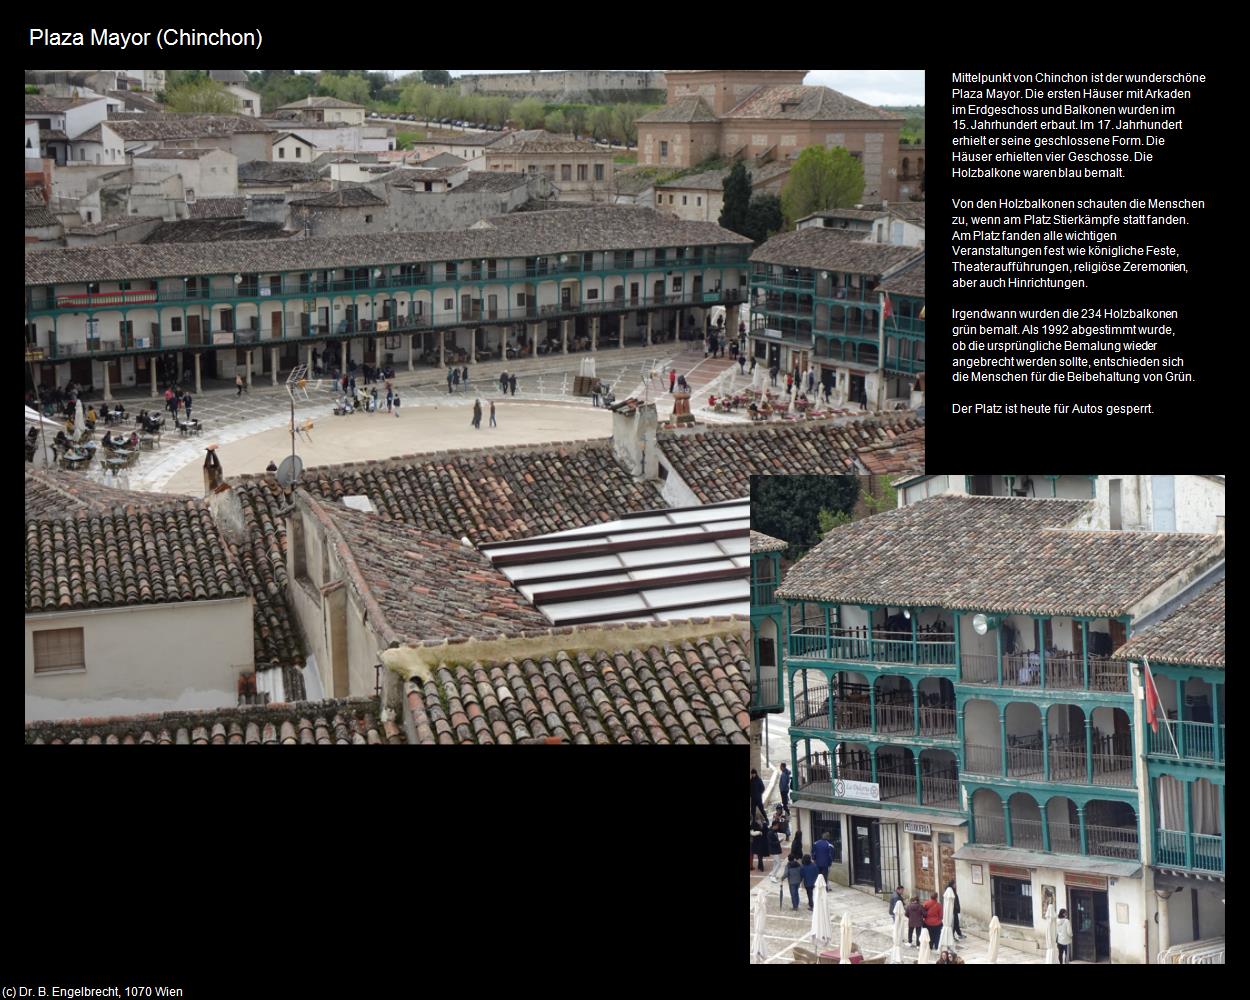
x: 761, y: 542
x: 800, y: 103
x: 352, y: 721
x: 1193, y: 634
x: 1002, y: 554
x: 833, y: 250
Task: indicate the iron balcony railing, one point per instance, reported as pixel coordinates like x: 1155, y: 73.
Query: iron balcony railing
x: 1194, y: 741
x: 1026, y: 670
x: 1195, y: 851
x: 937, y: 720
x: 814, y: 774
x: 1113, y: 841
x: 897, y: 786
x: 896, y: 717
x: 810, y: 709
x: 1064, y: 837
x: 766, y: 688
x: 815, y: 642
x: 942, y: 792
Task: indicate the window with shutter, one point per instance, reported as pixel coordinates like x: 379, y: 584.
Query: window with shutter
x: 59, y: 649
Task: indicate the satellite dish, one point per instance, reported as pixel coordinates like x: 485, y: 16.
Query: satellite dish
x: 290, y: 470
x: 980, y: 623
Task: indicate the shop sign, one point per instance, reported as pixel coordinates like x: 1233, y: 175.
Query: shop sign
x: 1075, y: 880
x: 772, y: 333
x: 922, y: 829
x: 865, y: 791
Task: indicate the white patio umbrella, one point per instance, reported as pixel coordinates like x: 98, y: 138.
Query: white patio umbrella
x: 1052, y: 949
x: 900, y: 919
x: 947, y: 940
x: 926, y: 956
x: 80, y: 420
x: 757, y: 938
x: 991, y: 954
x: 845, y: 948
x: 822, y: 931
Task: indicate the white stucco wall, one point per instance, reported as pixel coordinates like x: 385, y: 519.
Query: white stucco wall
x: 164, y: 656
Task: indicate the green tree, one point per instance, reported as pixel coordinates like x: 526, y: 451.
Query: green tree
x: 820, y: 179
x: 575, y: 116
x: 177, y: 77
x: 764, y: 217
x: 789, y: 507
x: 556, y: 122
x: 437, y: 77
x: 828, y: 520
x: 203, y: 96
x: 737, y: 199
x: 528, y: 113
x: 498, y: 110
x: 601, y: 122
x: 31, y: 88
x: 283, y: 87
x: 346, y: 87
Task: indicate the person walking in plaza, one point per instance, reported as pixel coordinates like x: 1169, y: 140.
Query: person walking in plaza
x: 373, y: 400
x: 186, y: 402
x: 396, y: 402
x: 773, y: 372
x: 450, y: 379
x: 822, y: 854
x: 810, y: 872
x: 757, y: 795
x: 955, y: 919
x: 512, y: 383
x: 915, y: 920
x: 239, y: 386
x: 672, y: 379
x: 794, y: 877
x: 477, y: 414
x: 759, y: 843
x: 503, y: 383
x: 933, y: 919
x: 492, y: 413
x: 594, y: 393
x: 1063, y: 937
x: 780, y: 823
x: 464, y: 377
x: 390, y: 398
x: 783, y: 783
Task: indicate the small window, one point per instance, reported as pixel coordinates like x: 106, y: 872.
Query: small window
x: 677, y: 284
x: 663, y: 150
x: 592, y: 293
x: 368, y: 219
x: 581, y: 171
x: 281, y: 153
x: 598, y: 171
x: 299, y: 152
x: 683, y: 199
x: 520, y: 298
x: 59, y: 649
x: 449, y: 304
x: 175, y: 324
x: 566, y: 172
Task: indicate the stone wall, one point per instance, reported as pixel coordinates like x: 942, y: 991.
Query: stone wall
x: 570, y: 85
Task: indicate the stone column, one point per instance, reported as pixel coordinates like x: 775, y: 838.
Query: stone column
x: 273, y: 364
x: 152, y: 372
x: 649, y: 315
x: 472, y: 347
x: 620, y: 333
x: 249, y: 369
x: 442, y: 350
x: 411, y: 361
x: 594, y: 334
x: 534, y: 339
x: 308, y: 361
x: 564, y: 336
x: 1165, y: 929
x: 199, y: 386
x: 108, y: 389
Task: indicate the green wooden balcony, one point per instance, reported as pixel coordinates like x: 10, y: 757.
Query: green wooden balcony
x: 763, y: 594
x: 1195, y: 741
x: 814, y: 642
x: 1194, y: 851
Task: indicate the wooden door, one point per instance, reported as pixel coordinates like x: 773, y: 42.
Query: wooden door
x: 275, y: 323
x: 946, y: 857
x: 922, y: 864
x: 193, y: 330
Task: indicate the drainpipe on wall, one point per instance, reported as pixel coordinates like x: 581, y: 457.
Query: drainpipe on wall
x: 1144, y: 819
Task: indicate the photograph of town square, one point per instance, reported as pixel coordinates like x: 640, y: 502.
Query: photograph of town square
x: 412, y: 407
x: 994, y: 729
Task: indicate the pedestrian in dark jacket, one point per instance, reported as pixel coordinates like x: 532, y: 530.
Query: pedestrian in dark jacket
x: 477, y: 414
x: 492, y: 413
x: 464, y: 376
x: 451, y: 378
x: 810, y: 872
x: 822, y: 854
x: 774, y: 841
x: 784, y: 784
x: 512, y: 383
x: 955, y: 922
x: 757, y: 795
x: 759, y: 843
x: 915, y: 920
x: 933, y: 919
x: 390, y: 398
x: 794, y: 877
x: 897, y: 900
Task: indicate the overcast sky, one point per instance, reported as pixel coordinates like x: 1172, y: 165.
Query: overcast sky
x: 902, y: 86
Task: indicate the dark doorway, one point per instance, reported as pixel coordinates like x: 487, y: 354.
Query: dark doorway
x: 1013, y: 900
x: 864, y: 852
x: 857, y: 391
x: 1091, y: 925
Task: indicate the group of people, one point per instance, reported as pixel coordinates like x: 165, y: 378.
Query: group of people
x: 507, y: 384
x: 926, y: 917
x: 676, y: 381
x: 177, y: 398
x: 457, y: 377
x: 369, y: 401
x: 476, y: 422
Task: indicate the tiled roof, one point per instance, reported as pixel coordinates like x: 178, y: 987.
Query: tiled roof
x: 148, y: 126
x: 357, y: 197
x: 1001, y: 554
x: 111, y: 226
x: 346, y: 721
x: 481, y: 180
x: 40, y: 217
x: 494, y: 494
x: 319, y: 102
x: 468, y: 139
x: 420, y: 585
x: 292, y: 135
x: 228, y: 75
x: 52, y: 135
x: 156, y: 555
x: 909, y: 280
x: 443, y: 160
x: 904, y: 453
x: 808, y: 104
x: 858, y: 214
x: 910, y: 211
x: 541, y: 141
x: 714, y: 180
x: 688, y: 692
x: 761, y: 542
x: 53, y: 493
x: 537, y: 233
x: 136, y: 102
x: 717, y: 463
x: 264, y: 172
x: 217, y: 208
x: 176, y: 154
x: 208, y: 230
x: 93, y: 134
x: 684, y: 109
x: 34, y: 198
x: 263, y: 558
x: 829, y: 249
x: 37, y: 104
x: 1193, y: 634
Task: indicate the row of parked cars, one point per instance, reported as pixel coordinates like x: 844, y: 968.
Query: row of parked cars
x: 453, y: 122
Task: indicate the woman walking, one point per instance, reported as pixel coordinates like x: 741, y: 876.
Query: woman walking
x: 396, y: 401
x: 1063, y: 937
x: 794, y: 876
x: 477, y: 414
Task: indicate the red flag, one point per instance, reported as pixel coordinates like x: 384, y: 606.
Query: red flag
x: 889, y: 309
x: 1152, y: 702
